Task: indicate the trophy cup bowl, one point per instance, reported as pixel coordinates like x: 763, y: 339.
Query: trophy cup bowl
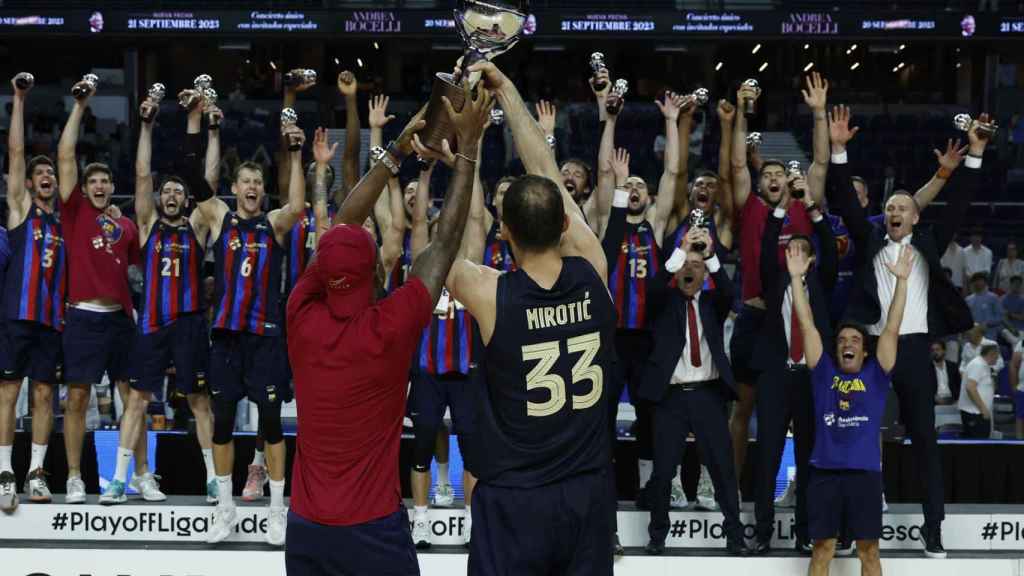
x: 487, y: 29
x: 24, y: 80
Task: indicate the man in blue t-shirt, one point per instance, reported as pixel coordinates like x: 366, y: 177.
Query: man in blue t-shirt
x: 844, y: 493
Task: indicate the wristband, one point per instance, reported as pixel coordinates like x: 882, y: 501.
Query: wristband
x: 840, y: 158
x: 713, y: 264
x: 972, y: 161
x: 464, y: 157
x: 392, y: 149
x: 675, y: 261
x: 943, y: 173
x: 621, y: 198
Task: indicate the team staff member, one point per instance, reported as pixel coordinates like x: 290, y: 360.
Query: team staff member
x: 99, y: 329
x: 8, y: 487
x: 351, y: 356
x: 845, y: 489
x: 934, y: 307
x: 33, y: 298
x: 172, y: 326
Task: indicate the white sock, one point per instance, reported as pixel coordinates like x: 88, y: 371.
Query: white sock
x: 469, y: 520
x: 420, y: 512
x: 5, y: 458
x: 276, y: 493
x: 124, y: 457
x: 677, y: 479
x: 224, y: 492
x: 442, y: 473
x: 38, y: 455
x: 208, y: 462
x: 257, y: 459
x: 646, y: 467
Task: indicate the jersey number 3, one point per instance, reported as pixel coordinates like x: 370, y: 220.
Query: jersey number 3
x: 546, y: 354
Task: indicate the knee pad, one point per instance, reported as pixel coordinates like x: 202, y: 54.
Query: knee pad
x: 270, y: 420
x: 223, y: 421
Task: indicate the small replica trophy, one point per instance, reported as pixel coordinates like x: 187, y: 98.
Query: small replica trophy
x: 154, y: 96
x: 749, y: 104
x: 616, y: 99
x: 288, y: 119
x: 299, y: 77
x: 986, y: 130
x: 24, y: 80
x: 85, y: 86
x: 596, y: 65
x: 698, y: 98
x: 793, y: 171
x: 697, y: 220
x: 754, y: 140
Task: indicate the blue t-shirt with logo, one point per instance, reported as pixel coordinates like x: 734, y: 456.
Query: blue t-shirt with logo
x: 848, y: 411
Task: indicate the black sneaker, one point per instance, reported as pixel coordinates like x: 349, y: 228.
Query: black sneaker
x: 932, y: 540
x: 803, y: 547
x: 655, y: 548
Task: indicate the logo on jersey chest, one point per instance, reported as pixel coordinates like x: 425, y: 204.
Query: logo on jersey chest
x: 112, y: 231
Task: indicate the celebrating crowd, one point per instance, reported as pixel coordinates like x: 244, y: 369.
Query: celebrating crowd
x: 527, y: 308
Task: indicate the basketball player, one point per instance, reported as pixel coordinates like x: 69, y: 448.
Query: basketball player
x: 497, y: 253
x: 33, y: 296
x: 99, y: 328
x: 172, y: 327
x: 247, y: 356
x: 547, y: 331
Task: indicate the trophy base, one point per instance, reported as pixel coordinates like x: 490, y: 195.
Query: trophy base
x: 439, y: 126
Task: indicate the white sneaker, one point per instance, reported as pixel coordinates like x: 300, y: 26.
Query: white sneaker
x: 706, y: 492
x: 679, y: 500
x: 788, y: 498
x: 277, y: 524
x: 421, y: 532
x: 885, y: 505
x: 75, y: 491
x: 468, y: 530
x: 8, y: 492
x: 224, y: 520
x: 148, y: 487
x: 36, y: 486
x: 444, y: 496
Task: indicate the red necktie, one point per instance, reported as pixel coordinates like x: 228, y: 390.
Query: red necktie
x: 694, y: 337
x: 796, y: 336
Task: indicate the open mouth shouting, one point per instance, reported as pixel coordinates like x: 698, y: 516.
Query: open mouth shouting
x: 46, y: 186
x: 570, y: 186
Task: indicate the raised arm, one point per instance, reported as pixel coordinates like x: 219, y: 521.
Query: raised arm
x: 889, y: 339
x: 727, y: 119
x: 67, y: 162
x: 681, y: 202
x: 18, y: 199
x: 286, y: 216
x: 378, y: 118
x: 740, y: 172
x: 816, y: 96
x: 828, y: 252
x: 213, y: 148
x: 797, y: 263
x: 420, y: 236
x: 605, y: 177
x: 846, y: 203
x: 968, y: 185
x: 283, y: 156
x: 667, y: 188
x: 615, y: 231
x: 145, y: 205
x: 432, y: 266
x: 475, y: 238
x: 349, y: 88
x: 948, y: 163
x: 323, y: 151
x: 579, y: 240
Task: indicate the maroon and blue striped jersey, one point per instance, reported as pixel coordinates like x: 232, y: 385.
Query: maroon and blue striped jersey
x: 300, y: 244
x: 638, y: 261
x: 172, y: 261
x: 447, y: 344
x: 402, y: 266
x: 248, y: 280
x: 497, y: 252
x: 36, y: 282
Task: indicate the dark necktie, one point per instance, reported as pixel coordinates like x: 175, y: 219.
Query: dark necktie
x: 693, y: 336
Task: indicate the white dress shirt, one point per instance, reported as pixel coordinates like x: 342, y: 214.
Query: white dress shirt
x: 942, y: 378
x: 977, y: 260
x: 915, y: 315
x: 970, y: 352
x: 787, y: 321
x: 979, y: 371
x: 686, y: 372
x: 954, y: 260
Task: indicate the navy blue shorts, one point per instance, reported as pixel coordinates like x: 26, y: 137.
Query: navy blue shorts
x: 185, y: 344
x: 34, y: 351
x: 6, y: 367
x: 244, y: 365
x: 847, y: 502
x: 745, y: 332
x: 430, y: 395
x: 97, y: 342
x: 382, y: 547
x: 562, y: 528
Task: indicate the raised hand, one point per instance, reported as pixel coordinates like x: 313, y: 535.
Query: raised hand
x: 471, y: 121
x: 797, y: 261
x: 323, y: 151
x: 904, y: 264
x: 295, y: 137
x: 726, y: 111
x: 601, y: 76
x: 693, y: 235
x: 347, y: 84
x: 977, y: 141
x: 214, y: 114
x: 378, y: 111
x: 670, y: 106
x: 546, y: 112
x: 18, y: 92
x: 445, y: 155
x: 491, y: 76
x: 747, y: 92
x: 147, y: 108
x: 620, y: 166
x: 816, y: 93
x: 839, y: 128
x: 953, y: 157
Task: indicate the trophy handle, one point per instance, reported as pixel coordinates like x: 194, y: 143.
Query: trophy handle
x: 471, y: 56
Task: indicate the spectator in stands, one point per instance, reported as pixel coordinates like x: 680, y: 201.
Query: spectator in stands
x: 1016, y: 381
x: 954, y: 261
x: 947, y: 375
x: 1008, y: 268
x: 985, y: 306
x: 977, y: 256
x: 1013, y: 305
x: 979, y: 385
x: 974, y: 341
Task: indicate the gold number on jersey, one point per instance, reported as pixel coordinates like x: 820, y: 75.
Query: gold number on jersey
x: 546, y: 354
x: 246, y: 269
x: 311, y: 239
x: 48, y: 258
x: 638, y: 268
x: 171, y: 267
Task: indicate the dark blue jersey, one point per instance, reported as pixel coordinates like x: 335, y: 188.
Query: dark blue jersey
x: 548, y: 367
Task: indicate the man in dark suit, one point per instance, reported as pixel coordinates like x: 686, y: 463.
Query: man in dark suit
x: 947, y: 376
x: 934, y: 307
x: 690, y: 381
x: 784, y: 384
